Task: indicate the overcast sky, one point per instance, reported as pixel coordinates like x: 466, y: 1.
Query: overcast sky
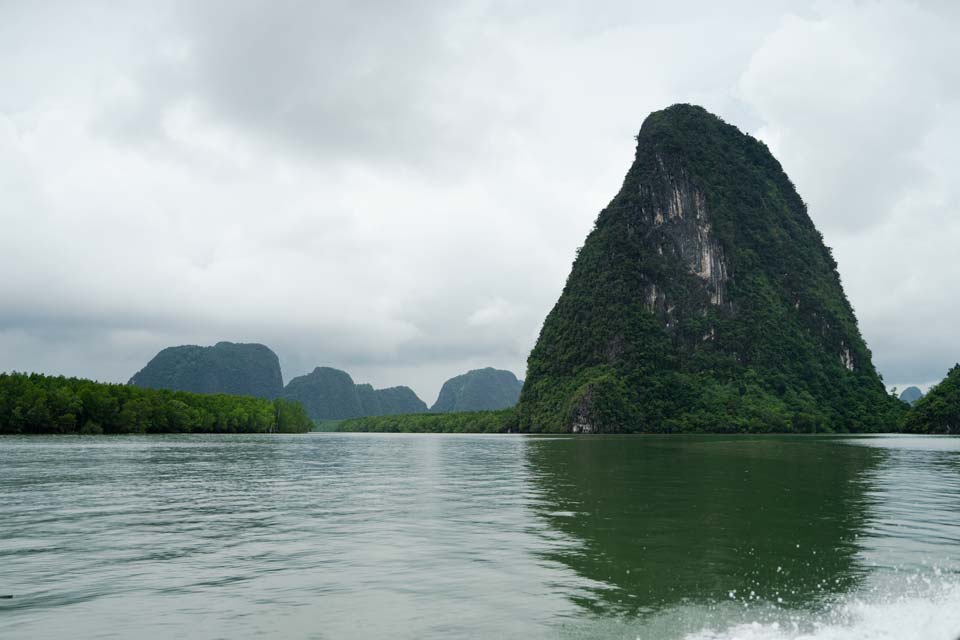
x: 398, y: 188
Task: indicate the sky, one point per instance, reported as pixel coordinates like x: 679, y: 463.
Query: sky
x: 399, y: 189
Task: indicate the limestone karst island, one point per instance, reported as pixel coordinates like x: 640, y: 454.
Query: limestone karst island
x: 703, y: 300
x: 479, y: 320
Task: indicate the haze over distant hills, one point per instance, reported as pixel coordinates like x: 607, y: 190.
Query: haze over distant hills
x: 911, y: 394
x: 478, y: 390
x: 227, y: 367
x: 331, y: 394
x: 326, y: 393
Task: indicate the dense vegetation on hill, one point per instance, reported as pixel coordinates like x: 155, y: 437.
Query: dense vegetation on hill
x: 326, y: 394
x: 478, y: 390
x: 227, y: 367
x: 703, y: 299
x: 939, y: 410
x: 393, y: 400
x: 330, y: 394
x: 463, y: 422
x: 910, y: 395
x: 36, y: 403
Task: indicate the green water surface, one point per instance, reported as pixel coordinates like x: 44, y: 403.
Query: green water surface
x: 444, y: 536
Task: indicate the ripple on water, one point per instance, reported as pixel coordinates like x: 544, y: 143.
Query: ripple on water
x: 339, y: 535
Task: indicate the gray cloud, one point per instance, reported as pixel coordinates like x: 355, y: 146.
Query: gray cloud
x: 398, y: 190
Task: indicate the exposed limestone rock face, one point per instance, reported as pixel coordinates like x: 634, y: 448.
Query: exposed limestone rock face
x: 703, y: 299
x: 678, y: 210
x: 847, y: 358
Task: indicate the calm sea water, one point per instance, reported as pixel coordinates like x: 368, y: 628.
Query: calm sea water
x: 443, y: 536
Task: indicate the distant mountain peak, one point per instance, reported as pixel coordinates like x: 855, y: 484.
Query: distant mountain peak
x: 478, y: 390
x: 250, y: 369
x: 911, y: 395
x: 331, y: 394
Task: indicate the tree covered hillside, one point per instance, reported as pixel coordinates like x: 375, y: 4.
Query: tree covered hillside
x: 331, y: 394
x: 704, y: 299
x: 939, y: 410
x: 227, y: 367
x: 478, y: 390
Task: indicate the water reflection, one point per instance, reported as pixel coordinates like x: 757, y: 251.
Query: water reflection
x: 439, y: 536
x: 914, y: 525
x: 665, y: 521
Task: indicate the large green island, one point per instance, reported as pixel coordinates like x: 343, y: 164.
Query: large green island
x: 703, y: 300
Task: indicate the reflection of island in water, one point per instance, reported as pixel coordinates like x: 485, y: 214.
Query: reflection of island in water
x: 668, y: 520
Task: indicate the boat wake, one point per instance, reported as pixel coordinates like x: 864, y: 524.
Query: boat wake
x: 923, y: 610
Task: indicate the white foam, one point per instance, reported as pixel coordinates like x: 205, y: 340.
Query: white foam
x: 933, y: 614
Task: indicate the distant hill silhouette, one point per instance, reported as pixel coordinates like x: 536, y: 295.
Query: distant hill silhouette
x: 227, y: 367
x: 478, y: 390
x: 911, y: 395
x: 330, y: 394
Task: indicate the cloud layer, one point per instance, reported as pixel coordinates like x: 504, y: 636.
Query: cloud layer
x: 400, y: 191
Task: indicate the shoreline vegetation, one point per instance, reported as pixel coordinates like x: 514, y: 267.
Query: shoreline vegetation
x: 508, y: 421
x: 704, y: 300
x: 939, y: 410
x: 500, y: 421
x: 40, y: 404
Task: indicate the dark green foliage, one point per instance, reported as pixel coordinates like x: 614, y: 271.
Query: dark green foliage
x: 478, y: 390
x: 326, y: 394
x: 939, y: 410
x: 330, y: 394
x: 327, y: 425
x: 369, y: 401
x: 45, y: 404
x: 395, y: 400
x: 464, y: 422
x: 910, y: 395
x: 227, y: 367
x: 704, y: 299
x: 291, y: 417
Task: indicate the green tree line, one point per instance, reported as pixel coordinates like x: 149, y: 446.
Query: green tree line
x: 502, y: 421
x: 35, y: 403
x: 939, y: 410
